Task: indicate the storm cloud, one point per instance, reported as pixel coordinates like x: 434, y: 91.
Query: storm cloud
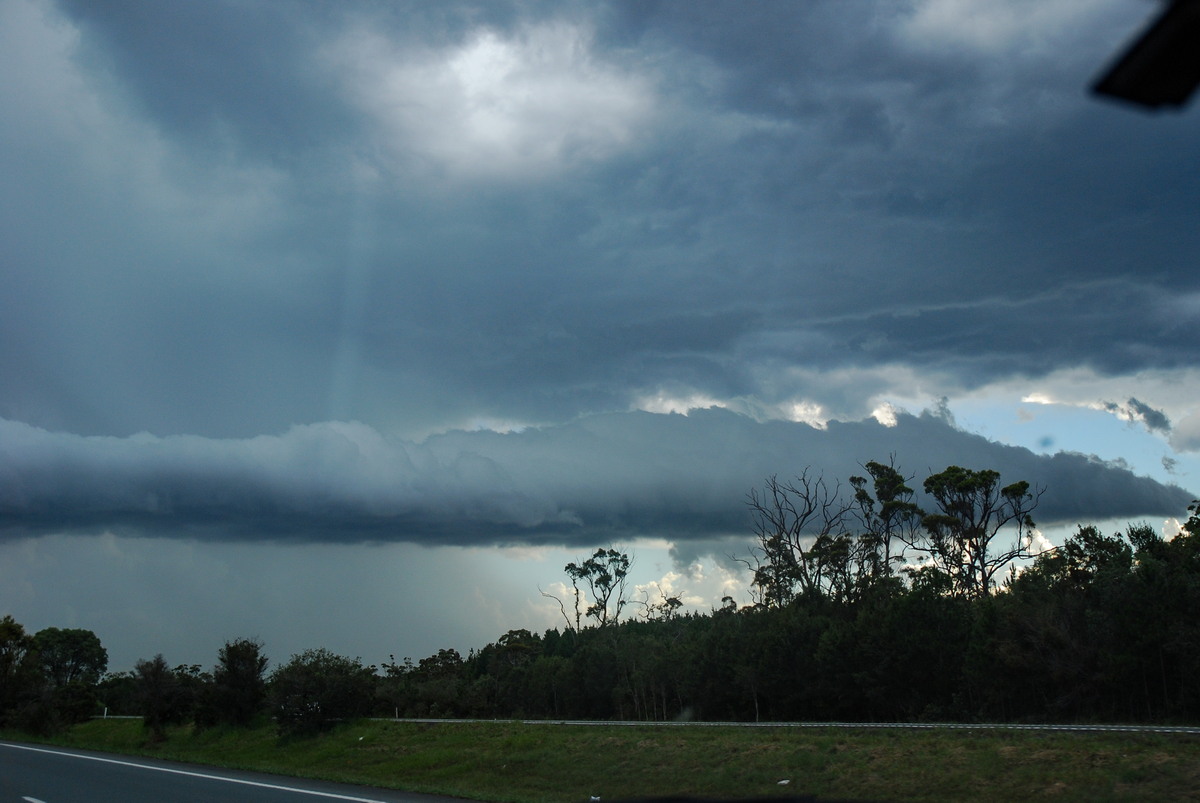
x: 298, y: 279
x: 424, y: 216
x: 610, y: 477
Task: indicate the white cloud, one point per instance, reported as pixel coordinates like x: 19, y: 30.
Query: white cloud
x: 1169, y: 390
x: 1038, y: 543
x: 885, y: 414
x: 807, y: 412
x: 666, y: 587
x: 1172, y: 390
x: 664, y: 402
x: 525, y: 105
x: 700, y: 586
x: 1171, y: 395
x: 1171, y: 528
x: 1132, y: 411
x: 843, y: 394
x: 559, y: 603
x: 1185, y: 437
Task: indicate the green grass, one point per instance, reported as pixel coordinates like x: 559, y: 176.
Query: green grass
x: 505, y: 761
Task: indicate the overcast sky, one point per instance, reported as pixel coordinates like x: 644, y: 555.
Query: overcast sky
x: 348, y: 324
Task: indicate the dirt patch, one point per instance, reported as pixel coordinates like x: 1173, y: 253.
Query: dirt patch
x: 763, y: 747
x: 1046, y: 755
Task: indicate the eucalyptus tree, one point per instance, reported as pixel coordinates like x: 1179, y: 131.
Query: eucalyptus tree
x: 961, y: 538
x: 599, y: 588
x: 799, y: 527
x: 887, y: 517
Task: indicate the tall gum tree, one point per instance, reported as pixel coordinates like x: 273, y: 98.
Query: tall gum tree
x: 800, y: 529
x: 972, y: 510
x: 889, y: 516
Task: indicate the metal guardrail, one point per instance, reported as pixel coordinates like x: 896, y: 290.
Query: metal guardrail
x: 1187, y: 730
x: 1184, y: 730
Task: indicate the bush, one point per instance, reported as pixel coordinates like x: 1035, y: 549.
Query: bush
x: 162, y: 699
x: 316, y: 689
x: 239, y: 690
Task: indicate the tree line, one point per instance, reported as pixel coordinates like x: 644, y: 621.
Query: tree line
x: 865, y: 607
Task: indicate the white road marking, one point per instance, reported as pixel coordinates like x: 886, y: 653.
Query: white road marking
x: 189, y: 774
x: 32, y: 800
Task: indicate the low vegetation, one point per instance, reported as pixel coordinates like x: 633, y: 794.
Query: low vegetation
x: 509, y: 761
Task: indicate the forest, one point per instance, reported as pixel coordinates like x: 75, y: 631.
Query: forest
x: 866, y: 608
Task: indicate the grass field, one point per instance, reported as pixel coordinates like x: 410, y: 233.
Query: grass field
x: 505, y: 761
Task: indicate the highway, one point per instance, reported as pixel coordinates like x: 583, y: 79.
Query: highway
x: 42, y: 774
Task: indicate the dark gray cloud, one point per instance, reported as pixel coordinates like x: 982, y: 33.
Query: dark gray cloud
x: 1154, y: 420
x: 224, y: 223
x: 607, y: 477
x: 204, y: 71
x: 1136, y: 411
x: 291, y: 213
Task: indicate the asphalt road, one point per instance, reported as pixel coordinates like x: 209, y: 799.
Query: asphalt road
x: 40, y: 774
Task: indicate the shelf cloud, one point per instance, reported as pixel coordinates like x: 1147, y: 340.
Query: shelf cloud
x: 619, y: 476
